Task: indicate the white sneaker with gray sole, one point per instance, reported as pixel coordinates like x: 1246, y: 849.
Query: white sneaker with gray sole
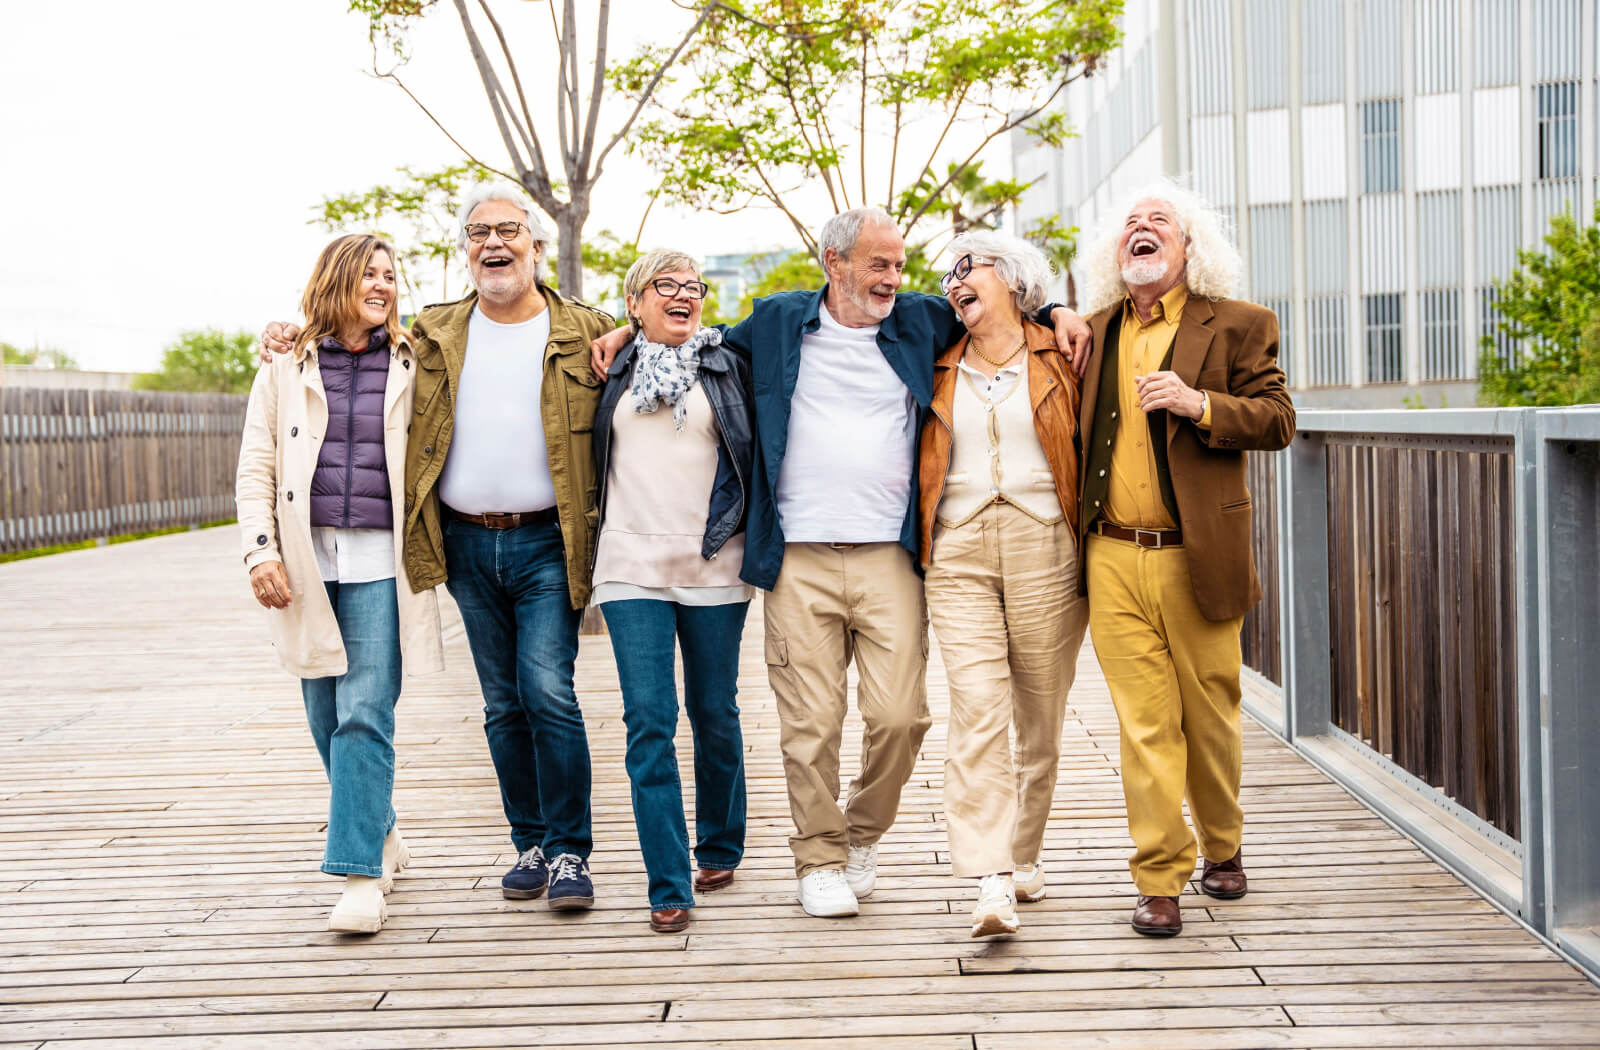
x: 825, y: 894
x: 861, y: 870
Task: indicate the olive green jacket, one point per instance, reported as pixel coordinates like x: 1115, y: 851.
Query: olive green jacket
x: 568, y: 396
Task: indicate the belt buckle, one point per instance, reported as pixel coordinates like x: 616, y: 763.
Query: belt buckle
x: 843, y: 546
x: 1155, y: 538
x: 516, y: 519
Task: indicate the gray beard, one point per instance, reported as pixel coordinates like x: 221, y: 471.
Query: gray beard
x: 1136, y: 274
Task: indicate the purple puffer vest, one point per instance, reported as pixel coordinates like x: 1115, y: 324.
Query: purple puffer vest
x: 350, y: 489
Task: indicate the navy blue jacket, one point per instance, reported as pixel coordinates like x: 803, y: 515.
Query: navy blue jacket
x: 725, y: 378
x: 914, y: 332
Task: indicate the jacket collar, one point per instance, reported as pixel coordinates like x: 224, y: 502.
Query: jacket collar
x: 1037, y: 337
x: 811, y: 319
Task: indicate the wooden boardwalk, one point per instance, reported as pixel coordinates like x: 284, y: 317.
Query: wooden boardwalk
x: 161, y: 809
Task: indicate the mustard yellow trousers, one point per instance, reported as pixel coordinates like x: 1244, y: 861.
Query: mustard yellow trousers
x: 1174, y: 680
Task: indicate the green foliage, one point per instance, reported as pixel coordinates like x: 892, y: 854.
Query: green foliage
x: 607, y: 256
x: 789, y: 95
x: 795, y: 272
x: 1551, y: 303
x: 417, y: 216
x: 205, y: 362
x: 48, y: 357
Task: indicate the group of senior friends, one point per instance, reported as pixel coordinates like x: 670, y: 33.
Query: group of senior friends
x: 869, y: 458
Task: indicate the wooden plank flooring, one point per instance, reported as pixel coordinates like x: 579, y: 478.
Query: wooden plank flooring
x: 161, y: 810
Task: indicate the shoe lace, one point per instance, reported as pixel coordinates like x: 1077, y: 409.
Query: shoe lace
x: 566, y: 866
x: 531, y: 857
x: 993, y: 888
x: 860, y: 856
x: 830, y: 878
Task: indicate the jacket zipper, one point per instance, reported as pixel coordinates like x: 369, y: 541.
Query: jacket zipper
x: 722, y: 433
x: 350, y: 441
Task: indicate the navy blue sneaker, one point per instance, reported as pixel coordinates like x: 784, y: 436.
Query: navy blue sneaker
x: 527, y: 878
x: 570, y: 886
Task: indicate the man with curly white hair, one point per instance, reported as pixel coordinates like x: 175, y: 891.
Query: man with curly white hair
x: 1182, y: 381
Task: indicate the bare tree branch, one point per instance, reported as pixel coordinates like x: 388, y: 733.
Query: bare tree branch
x: 532, y: 134
x: 650, y: 88
x: 602, y: 26
x: 446, y: 131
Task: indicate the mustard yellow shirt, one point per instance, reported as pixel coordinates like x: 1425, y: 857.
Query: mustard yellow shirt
x: 1133, y: 499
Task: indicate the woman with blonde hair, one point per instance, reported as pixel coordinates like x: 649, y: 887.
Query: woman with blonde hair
x: 320, y: 490
x: 998, y: 473
x: 673, y: 451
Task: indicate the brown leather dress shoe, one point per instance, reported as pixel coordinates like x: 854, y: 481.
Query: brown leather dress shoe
x: 1157, y: 916
x: 1224, y: 879
x: 670, y: 920
x: 708, y: 879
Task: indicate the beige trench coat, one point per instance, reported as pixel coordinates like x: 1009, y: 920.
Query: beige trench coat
x: 283, y: 430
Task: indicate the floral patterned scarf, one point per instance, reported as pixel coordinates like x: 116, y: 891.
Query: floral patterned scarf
x: 665, y: 374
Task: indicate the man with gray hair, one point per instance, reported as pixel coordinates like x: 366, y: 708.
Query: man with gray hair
x: 1182, y: 380
x: 842, y: 377
x: 500, y: 507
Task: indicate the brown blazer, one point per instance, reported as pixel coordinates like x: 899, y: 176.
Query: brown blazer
x: 1229, y: 349
x: 1053, y: 389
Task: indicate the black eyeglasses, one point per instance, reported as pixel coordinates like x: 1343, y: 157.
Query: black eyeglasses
x: 478, y: 232
x: 962, y: 269
x: 666, y: 287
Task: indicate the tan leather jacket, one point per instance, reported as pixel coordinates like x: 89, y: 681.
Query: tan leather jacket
x: 1054, y: 389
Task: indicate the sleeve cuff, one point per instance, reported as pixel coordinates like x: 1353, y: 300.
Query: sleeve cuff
x: 1205, y: 413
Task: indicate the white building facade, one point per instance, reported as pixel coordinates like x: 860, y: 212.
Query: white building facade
x: 1382, y: 161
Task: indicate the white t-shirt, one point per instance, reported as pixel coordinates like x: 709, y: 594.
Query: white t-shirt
x: 498, y: 463
x: 846, y: 476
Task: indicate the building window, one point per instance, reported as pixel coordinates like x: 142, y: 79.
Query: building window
x: 1380, y: 146
x: 1385, y: 359
x: 1498, y: 342
x: 1558, y: 130
x: 1283, y: 309
x: 1441, y: 334
x: 1328, y: 355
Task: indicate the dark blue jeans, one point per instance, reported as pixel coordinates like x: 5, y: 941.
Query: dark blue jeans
x: 511, y: 587
x: 352, y: 721
x: 642, y: 632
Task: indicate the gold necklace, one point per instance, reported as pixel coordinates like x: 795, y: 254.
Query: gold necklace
x: 972, y: 344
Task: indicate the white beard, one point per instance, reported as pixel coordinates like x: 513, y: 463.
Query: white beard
x: 1139, y: 273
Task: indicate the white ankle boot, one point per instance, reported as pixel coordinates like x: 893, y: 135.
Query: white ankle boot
x: 362, y: 908
x: 396, y: 856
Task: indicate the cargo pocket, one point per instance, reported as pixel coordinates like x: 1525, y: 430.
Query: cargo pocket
x: 583, y: 397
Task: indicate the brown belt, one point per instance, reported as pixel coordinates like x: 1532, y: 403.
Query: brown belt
x: 1150, y: 539
x: 505, y: 521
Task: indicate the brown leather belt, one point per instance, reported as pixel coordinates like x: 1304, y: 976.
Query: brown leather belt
x: 505, y: 521
x: 1150, y: 539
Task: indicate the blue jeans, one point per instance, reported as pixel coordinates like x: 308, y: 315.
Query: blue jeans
x: 352, y: 721
x: 511, y: 587
x: 708, y: 635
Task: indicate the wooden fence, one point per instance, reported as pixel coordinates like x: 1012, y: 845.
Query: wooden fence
x: 1262, y: 637
x: 82, y: 464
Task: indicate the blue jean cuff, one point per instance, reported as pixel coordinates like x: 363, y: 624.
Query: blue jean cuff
x: 663, y: 907
x: 331, y: 868
x: 716, y: 867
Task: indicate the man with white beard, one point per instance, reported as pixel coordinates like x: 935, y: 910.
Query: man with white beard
x: 1181, y: 381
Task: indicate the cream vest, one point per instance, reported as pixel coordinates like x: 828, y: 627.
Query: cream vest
x: 995, y: 455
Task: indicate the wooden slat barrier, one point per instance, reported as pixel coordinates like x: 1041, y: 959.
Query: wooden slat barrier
x: 81, y: 464
x: 1262, y: 637
x: 1423, y: 611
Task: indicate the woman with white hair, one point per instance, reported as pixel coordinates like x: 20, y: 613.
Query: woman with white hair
x: 999, y: 483
x: 673, y: 450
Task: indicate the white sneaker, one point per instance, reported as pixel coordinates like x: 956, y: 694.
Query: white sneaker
x: 825, y: 894
x: 396, y: 856
x: 362, y: 908
x: 861, y: 871
x: 1029, y: 880
x: 997, y: 907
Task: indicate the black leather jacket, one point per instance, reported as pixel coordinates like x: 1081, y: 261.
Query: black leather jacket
x: 725, y: 377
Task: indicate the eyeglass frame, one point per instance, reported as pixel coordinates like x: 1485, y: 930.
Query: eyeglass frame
x: 687, y: 286
x: 497, y: 228
x: 950, y: 276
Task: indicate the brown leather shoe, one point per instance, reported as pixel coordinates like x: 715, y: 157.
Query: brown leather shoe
x: 1224, y: 879
x: 1157, y: 916
x: 670, y: 920
x: 708, y: 879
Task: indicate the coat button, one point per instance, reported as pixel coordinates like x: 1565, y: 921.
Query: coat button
x: 427, y: 450
x: 294, y: 431
x: 289, y: 496
x: 405, y: 364
x: 261, y: 540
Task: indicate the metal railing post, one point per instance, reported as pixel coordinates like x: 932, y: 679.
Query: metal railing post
x: 1303, y: 586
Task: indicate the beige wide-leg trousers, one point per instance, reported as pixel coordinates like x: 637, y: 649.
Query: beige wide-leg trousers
x: 833, y: 603
x: 1003, y: 597
x: 1174, y: 680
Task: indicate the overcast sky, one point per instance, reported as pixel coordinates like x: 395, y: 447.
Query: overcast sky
x: 161, y: 160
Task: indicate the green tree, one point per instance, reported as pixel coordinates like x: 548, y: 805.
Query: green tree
x: 1551, y: 305
x: 563, y: 188
x: 205, y: 362
x: 794, y: 272
x: 417, y: 216
x: 791, y: 95
x: 48, y: 357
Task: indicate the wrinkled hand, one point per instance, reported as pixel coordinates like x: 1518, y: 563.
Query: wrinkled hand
x: 1073, y: 336
x: 604, y: 350
x: 270, y: 584
x: 1165, y: 390
x: 277, y: 338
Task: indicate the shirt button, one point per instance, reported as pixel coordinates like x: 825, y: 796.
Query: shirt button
x: 1113, y: 414
x: 294, y: 431
x: 994, y: 491
x: 1108, y: 442
x: 994, y: 452
x: 261, y: 540
x: 988, y: 408
x: 1102, y: 473
x: 1097, y: 503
